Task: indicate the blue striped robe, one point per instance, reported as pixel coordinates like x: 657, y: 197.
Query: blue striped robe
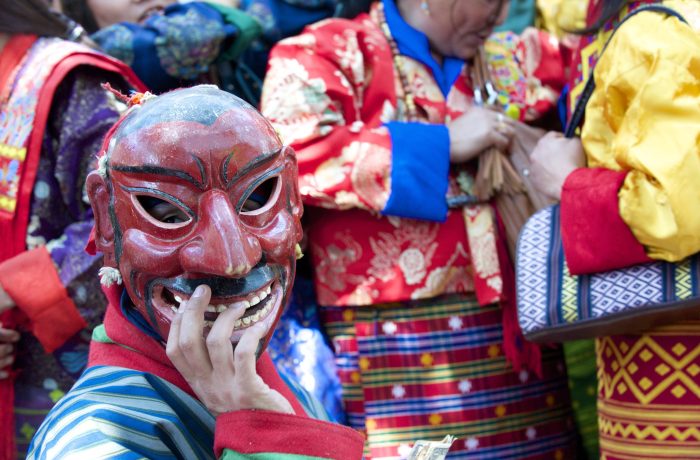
x: 119, y: 413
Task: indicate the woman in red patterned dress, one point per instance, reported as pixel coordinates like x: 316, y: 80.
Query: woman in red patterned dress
x: 413, y: 273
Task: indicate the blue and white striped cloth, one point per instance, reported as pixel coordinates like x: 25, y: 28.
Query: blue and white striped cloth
x: 119, y: 413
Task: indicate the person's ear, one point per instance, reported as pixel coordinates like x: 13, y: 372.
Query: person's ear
x: 99, y: 195
x: 292, y: 174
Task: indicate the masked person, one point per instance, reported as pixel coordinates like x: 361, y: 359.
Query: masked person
x: 53, y: 117
x: 197, y: 215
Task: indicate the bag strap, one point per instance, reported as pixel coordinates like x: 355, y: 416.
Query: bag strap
x: 579, y: 111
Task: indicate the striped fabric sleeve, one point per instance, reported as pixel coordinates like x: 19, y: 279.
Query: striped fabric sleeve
x: 119, y: 413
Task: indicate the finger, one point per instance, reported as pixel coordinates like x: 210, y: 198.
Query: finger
x: 507, y: 130
x: 219, y: 338
x: 500, y: 141
x: 553, y: 135
x: 8, y: 335
x: 4, y: 375
x: 172, y: 346
x: 244, y: 355
x: 5, y: 350
x: 6, y: 361
x: 191, y: 340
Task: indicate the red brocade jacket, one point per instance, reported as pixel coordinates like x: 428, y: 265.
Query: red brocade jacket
x: 375, y: 185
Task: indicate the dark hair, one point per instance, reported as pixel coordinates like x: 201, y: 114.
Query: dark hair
x: 79, y: 11
x: 610, y: 10
x: 32, y: 17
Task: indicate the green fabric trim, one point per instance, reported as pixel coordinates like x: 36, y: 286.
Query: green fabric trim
x: 248, y: 30
x: 231, y: 455
x: 99, y: 334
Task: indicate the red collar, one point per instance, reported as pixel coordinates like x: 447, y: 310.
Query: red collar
x: 135, y: 350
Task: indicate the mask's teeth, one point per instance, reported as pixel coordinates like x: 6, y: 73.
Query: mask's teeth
x: 208, y: 323
x: 256, y: 317
x: 246, y: 320
x: 246, y: 304
x: 262, y: 295
x: 255, y: 300
x: 238, y: 324
x: 178, y: 299
x: 174, y: 309
x: 211, y: 309
x: 221, y: 308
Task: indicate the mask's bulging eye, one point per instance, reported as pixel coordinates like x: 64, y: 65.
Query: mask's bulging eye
x: 161, y: 210
x: 260, y: 196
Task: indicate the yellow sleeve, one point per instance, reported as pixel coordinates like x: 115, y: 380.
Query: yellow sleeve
x: 644, y: 117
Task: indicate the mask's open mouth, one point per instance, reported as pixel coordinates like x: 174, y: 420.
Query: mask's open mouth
x: 259, y: 303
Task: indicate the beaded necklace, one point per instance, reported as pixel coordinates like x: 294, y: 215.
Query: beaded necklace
x: 409, y: 101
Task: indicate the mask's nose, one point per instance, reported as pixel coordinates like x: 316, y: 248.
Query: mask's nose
x: 220, y: 247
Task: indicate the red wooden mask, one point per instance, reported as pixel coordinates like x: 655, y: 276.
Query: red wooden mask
x: 198, y: 189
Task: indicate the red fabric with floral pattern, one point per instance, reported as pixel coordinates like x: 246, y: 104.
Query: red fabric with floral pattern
x: 328, y: 92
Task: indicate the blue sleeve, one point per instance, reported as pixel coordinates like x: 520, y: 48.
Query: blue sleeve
x: 420, y: 163
x: 167, y: 49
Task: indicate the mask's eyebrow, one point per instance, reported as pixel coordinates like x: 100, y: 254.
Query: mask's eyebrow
x: 162, y: 171
x: 261, y: 160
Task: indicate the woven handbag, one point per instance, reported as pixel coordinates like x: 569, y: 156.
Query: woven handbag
x: 555, y: 306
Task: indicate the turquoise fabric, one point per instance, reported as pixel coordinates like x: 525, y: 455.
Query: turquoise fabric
x: 521, y: 15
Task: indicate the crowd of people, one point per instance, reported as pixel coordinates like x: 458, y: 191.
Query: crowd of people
x: 268, y: 229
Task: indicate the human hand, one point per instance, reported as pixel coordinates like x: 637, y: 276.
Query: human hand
x: 476, y: 130
x: 7, y: 336
x: 223, y: 378
x: 554, y: 158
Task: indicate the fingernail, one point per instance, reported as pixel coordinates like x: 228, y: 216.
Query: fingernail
x: 199, y: 291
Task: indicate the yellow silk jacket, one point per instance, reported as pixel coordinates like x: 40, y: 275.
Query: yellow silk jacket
x: 644, y: 117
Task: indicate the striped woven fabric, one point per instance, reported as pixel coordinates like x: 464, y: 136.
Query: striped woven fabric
x: 114, y: 412
x: 422, y: 370
x: 649, y: 394
x: 118, y: 413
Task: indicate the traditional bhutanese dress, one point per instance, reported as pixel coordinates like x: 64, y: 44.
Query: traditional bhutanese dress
x: 132, y: 403
x: 637, y: 200
x: 412, y: 292
x: 54, y: 115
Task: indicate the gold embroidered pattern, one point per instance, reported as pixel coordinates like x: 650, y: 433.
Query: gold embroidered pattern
x: 673, y: 376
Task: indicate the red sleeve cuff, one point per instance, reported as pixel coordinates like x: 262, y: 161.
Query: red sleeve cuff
x: 595, y: 237
x: 255, y: 431
x: 30, y: 279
